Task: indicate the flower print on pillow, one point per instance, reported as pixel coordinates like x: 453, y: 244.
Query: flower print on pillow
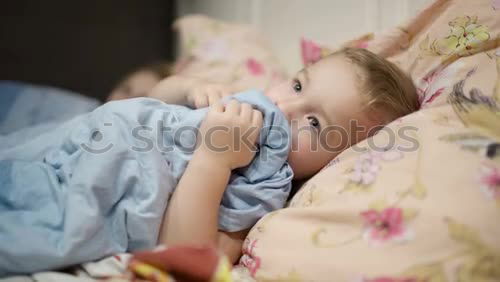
x: 367, y: 167
x: 495, y: 4
x: 254, y: 67
x: 489, y: 181
x: 385, y: 225
x: 466, y: 36
x: 249, y: 259
x: 312, y: 52
x: 436, y: 82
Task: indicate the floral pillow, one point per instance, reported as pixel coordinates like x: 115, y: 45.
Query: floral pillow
x: 430, y: 58
x: 226, y: 52
x: 420, y: 200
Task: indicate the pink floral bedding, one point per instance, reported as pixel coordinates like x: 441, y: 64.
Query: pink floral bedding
x: 426, y: 208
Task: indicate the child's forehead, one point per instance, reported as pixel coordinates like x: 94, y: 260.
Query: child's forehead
x: 334, y: 88
x: 333, y: 74
x: 331, y: 66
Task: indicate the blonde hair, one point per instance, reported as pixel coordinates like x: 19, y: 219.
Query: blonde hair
x: 389, y: 92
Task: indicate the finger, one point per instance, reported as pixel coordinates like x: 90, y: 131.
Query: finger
x: 219, y: 95
x: 217, y: 107
x: 190, y: 101
x: 213, y: 98
x: 246, y: 112
x: 224, y: 93
x: 257, y: 122
x: 200, y: 101
x: 233, y: 107
x: 257, y: 119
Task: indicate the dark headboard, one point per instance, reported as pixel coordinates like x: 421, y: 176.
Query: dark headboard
x: 83, y: 45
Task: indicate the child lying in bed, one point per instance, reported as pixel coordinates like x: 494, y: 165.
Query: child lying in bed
x: 79, y: 192
x: 352, y: 85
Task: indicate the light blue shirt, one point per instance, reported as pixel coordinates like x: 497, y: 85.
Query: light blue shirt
x: 100, y: 183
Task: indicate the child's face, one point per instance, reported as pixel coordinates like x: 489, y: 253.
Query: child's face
x: 319, y: 103
x: 137, y: 84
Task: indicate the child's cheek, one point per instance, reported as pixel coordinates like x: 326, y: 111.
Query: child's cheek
x: 303, y: 159
x: 301, y: 147
x: 279, y: 92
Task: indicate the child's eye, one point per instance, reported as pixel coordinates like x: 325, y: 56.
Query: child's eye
x: 314, y: 122
x: 297, y: 87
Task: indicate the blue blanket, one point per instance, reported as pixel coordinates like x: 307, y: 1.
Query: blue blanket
x: 23, y: 105
x: 99, y: 184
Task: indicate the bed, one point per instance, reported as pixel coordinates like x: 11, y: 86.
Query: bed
x: 426, y: 209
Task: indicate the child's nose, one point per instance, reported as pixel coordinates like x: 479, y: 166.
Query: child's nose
x: 292, y: 108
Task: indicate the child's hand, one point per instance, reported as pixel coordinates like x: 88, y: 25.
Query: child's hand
x: 204, y: 95
x: 189, y: 91
x: 229, y: 133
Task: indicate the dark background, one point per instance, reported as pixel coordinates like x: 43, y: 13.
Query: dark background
x: 84, y: 46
